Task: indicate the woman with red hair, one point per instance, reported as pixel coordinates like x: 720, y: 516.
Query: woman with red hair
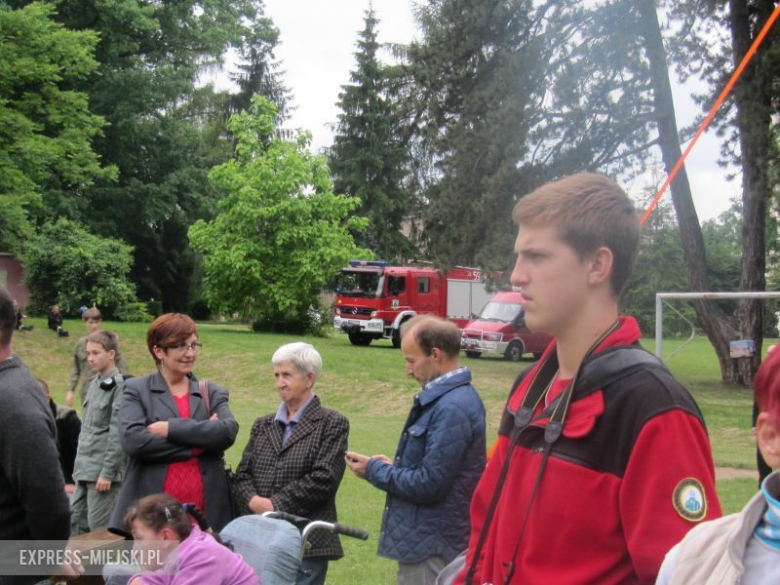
x: 174, y: 429
x: 743, y: 547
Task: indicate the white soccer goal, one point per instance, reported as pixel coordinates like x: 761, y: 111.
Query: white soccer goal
x: 661, y: 299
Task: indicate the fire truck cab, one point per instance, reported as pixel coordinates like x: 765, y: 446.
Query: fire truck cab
x: 374, y: 298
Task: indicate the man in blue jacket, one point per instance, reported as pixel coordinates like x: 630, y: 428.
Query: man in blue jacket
x: 439, y: 460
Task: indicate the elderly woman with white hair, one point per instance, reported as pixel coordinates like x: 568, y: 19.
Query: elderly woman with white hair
x: 294, y: 460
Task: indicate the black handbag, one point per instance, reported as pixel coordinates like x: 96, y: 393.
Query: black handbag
x: 229, y: 474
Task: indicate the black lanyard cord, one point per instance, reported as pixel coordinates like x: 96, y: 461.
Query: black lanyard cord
x: 538, y: 389
x: 524, y: 418
x: 552, y: 432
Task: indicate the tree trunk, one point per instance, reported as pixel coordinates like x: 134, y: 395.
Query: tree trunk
x: 752, y: 98
x: 719, y: 327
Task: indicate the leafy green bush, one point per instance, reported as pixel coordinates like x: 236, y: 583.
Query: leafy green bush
x: 66, y: 264
x: 135, y: 312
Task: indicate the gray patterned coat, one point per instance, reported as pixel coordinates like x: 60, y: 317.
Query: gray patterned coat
x: 301, y: 478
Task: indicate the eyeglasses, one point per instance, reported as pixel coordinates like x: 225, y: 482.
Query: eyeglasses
x: 183, y: 347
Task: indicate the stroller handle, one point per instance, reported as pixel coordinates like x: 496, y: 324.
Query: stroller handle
x: 307, y: 525
x: 350, y: 531
x: 291, y: 518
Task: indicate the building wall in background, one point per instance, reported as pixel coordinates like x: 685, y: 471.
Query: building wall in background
x: 11, y: 273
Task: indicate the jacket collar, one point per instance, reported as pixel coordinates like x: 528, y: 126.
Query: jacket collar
x: 588, y: 402
x: 743, y: 531
x: 438, y: 387
x: 158, y: 386
x: 11, y: 362
x: 306, y: 425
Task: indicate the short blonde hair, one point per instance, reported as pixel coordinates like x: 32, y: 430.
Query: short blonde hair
x: 589, y: 211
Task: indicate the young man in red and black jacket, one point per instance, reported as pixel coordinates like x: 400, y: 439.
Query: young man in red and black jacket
x: 603, y: 460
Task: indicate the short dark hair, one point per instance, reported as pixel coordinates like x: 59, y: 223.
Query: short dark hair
x: 589, y: 211
x: 7, y: 318
x: 44, y: 386
x: 108, y: 340
x: 168, y: 330
x: 430, y: 331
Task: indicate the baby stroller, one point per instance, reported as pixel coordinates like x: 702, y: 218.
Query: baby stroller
x: 274, y: 543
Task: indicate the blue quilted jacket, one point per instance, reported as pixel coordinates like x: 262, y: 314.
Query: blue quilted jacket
x: 439, y: 460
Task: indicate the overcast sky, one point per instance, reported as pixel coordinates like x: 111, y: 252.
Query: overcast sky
x: 318, y: 42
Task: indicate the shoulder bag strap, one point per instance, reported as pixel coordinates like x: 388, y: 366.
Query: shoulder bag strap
x: 203, y: 386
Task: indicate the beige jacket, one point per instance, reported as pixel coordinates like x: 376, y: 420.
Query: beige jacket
x: 712, y: 552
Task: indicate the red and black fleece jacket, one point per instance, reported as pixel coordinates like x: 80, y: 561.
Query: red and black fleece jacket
x: 631, y: 474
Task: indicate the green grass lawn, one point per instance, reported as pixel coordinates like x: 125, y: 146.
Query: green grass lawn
x: 368, y: 385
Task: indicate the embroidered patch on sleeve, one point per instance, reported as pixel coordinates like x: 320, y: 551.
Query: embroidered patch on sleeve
x: 689, y: 500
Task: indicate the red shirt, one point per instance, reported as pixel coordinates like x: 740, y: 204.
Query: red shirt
x: 182, y: 479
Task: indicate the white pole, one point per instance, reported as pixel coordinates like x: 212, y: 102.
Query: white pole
x: 659, y: 308
x: 719, y: 295
x: 659, y: 324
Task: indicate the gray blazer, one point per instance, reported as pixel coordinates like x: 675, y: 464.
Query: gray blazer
x: 147, y: 400
x: 303, y: 476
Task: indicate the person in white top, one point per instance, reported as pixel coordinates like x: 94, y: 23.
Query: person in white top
x: 744, y: 547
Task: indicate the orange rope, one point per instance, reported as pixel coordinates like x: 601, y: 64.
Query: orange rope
x: 736, y: 75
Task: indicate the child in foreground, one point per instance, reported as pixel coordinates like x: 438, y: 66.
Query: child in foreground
x: 200, y: 558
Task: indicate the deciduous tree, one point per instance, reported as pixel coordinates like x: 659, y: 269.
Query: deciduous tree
x: 46, y: 128
x: 66, y: 264
x: 281, y: 233
x: 163, y: 132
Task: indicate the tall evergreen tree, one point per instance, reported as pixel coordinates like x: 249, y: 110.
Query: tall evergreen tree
x: 368, y: 159
x: 478, y: 71
x: 256, y: 68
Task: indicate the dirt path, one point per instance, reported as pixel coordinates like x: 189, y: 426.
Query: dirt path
x: 733, y: 473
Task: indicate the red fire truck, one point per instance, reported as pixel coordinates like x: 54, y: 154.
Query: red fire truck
x: 373, y: 298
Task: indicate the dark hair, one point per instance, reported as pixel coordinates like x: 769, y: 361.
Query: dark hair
x: 44, y: 386
x: 168, y: 330
x: 589, y: 211
x: 107, y: 339
x: 7, y: 318
x: 93, y: 313
x: 430, y: 331
x: 767, y: 386
x: 157, y: 510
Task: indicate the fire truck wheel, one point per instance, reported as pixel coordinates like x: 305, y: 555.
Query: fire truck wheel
x: 514, y: 352
x: 473, y: 354
x: 397, y: 338
x: 359, y: 339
